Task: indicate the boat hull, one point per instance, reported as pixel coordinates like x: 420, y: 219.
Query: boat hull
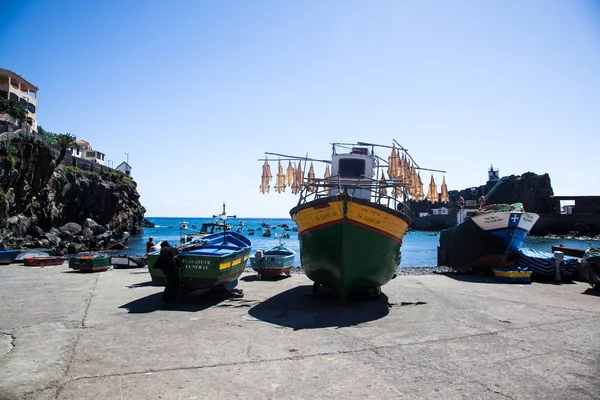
x: 203, y: 272
x: 8, y: 256
x: 275, y: 261
x: 126, y: 262
x: 207, y: 267
x: 349, y: 244
x: 512, y: 276
x: 485, y: 241
x: 43, y: 261
x: 90, y: 263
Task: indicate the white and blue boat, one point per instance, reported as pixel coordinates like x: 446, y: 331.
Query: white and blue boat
x: 486, y: 237
x: 8, y: 256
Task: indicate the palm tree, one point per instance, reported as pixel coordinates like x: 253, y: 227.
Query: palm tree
x: 64, y: 141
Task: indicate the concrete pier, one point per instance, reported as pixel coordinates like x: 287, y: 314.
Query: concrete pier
x: 71, y: 335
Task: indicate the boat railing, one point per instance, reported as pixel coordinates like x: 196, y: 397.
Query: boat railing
x: 378, y: 189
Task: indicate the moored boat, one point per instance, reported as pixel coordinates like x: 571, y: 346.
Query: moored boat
x: 213, y: 260
x: 90, y: 263
x: 485, y: 238
x: 350, y: 229
x: 275, y: 261
x: 219, y: 224
x: 8, y: 256
x: 43, y: 261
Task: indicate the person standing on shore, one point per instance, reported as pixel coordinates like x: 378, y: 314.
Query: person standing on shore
x: 149, y: 244
x: 168, y: 261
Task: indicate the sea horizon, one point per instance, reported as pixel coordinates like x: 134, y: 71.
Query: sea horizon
x: 419, y: 248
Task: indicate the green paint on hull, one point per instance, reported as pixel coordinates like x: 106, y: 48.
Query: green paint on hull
x: 276, y: 262
x: 348, y: 258
x: 199, y: 272
x: 91, y: 262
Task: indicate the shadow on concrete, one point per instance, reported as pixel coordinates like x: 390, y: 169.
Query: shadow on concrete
x: 254, y: 278
x: 591, y: 292
x: 478, y: 278
x: 298, y: 308
x: 192, y: 303
x: 466, y: 277
x: 142, y: 284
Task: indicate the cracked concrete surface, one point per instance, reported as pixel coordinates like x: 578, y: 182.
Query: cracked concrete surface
x: 104, y: 335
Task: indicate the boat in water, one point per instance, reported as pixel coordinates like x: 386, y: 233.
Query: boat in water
x: 273, y: 262
x: 8, y: 256
x: 219, y: 224
x: 213, y: 260
x: 349, y: 226
x: 485, y: 237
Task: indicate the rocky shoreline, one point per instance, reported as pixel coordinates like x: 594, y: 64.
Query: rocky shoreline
x: 49, y: 203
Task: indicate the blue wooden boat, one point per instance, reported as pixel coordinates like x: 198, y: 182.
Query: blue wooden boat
x: 213, y: 260
x: 273, y: 262
x: 7, y: 256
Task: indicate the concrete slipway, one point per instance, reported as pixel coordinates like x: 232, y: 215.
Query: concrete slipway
x: 68, y: 335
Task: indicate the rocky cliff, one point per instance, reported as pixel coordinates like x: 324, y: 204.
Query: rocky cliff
x: 65, y: 208
x: 534, y: 191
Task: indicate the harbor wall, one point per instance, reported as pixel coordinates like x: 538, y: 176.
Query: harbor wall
x: 562, y: 224
x: 433, y: 222
x: 548, y: 224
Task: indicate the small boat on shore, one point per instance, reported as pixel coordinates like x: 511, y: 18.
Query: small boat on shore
x: 512, y: 275
x: 30, y: 254
x: 273, y: 262
x: 43, y: 261
x: 123, y: 261
x: 8, y: 256
x: 547, y: 266
x: 485, y: 237
x: 349, y: 226
x: 90, y: 263
x: 591, y: 265
x: 214, y: 260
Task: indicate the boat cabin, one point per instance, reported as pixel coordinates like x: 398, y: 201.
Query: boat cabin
x: 211, y: 227
x: 352, y: 168
x: 464, y: 214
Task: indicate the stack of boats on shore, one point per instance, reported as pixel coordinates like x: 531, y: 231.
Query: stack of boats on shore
x: 491, y: 239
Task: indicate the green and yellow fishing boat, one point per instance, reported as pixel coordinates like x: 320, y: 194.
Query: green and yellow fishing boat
x: 349, y: 226
x: 213, y: 260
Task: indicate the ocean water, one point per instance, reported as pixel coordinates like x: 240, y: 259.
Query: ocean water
x: 419, y: 249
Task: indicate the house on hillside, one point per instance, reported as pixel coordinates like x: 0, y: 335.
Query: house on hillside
x: 85, y: 150
x: 15, y: 87
x: 124, y: 168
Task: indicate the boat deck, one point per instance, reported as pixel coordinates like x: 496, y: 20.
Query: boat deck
x: 217, y: 251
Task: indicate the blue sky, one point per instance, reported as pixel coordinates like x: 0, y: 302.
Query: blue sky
x: 197, y: 91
